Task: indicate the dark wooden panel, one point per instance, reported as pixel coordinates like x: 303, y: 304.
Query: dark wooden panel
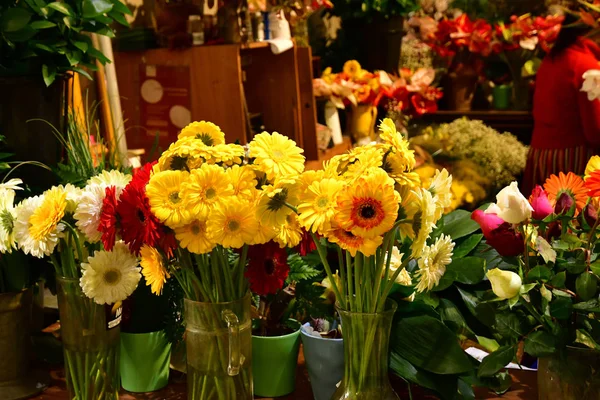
x: 308, y: 109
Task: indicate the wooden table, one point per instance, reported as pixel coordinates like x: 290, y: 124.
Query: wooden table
x: 524, y: 388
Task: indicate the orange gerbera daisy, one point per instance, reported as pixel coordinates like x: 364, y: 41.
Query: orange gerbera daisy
x: 352, y: 243
x: 592, y: 183
x: 571, y: 184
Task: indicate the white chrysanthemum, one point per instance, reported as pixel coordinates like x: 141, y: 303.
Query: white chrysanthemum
x: 87, y: 214
x: 591, y: 84
x: 13, y: 184
x: 8, y: 216
x: 73, y: 195
x: 395, y: 262
x: 110, y: 276
x: 423, y: 221
x: 433, y: 262
x: 36, y: 247
x: 441, y: 190
x: 110, y: 178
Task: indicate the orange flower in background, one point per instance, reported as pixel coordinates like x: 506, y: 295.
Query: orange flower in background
x: 592, y: 183
x: 364, y: 94
x: 352, y: 68
x: 571, y: 184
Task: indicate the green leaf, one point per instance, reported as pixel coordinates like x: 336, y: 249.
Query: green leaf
x: 42, y: 24
x: 92, y: 51
x: 509, y: 325
x: 444, y: 385
x: 82, y: 72
x: 454, y: 319
x: 42, y: 46
x: 62, y: 8
x: 539, y: 273
x: 458, y: 224
x: 93, y: 8
x: 401, y: 291
x: 14, y: 19
x: 83, y: 46
x: 74, y: 57
x: 586, y: 339
x: 299, y: 269
x: 446, y: 281
x: 497, y: 360
x: 590, y: 305
x: 22, y: 35
x: 558, y: 280
x: 586, y: 286
x: 49, y: 74
x: 561, y: 307
x: 416, y: 339
x: 527, y: 288
x: 120, y: 7
x: 484, y: 312
x: 466, y: 246
x: 117, y: 16
x: 540, y: 344
x: 489, y: 344
x: 468, y: 270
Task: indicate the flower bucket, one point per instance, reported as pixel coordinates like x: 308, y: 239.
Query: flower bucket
x: 219, y: 351
x: 16, y: 381
x: 274, y: 363
x: 573, y: 374
x: 460, y: 88
x: 325, y: 363
x: 90, y: 334
x: 501, y: 95
x: 144, y: 361
x: 361, y: 123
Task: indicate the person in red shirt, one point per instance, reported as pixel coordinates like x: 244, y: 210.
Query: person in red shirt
x: 566, y: 124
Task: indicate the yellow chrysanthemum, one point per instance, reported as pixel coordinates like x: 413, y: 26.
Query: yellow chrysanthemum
x: 153, y: 269
x: 290, y: 233
x: 423, y: 221
x: 276, y: 155
x: 164, y: 194
x: 205, y: 187
x: 409, y: 179
x: 441, y: 190
x: 233, y: 223
x: 352, y: 243
x: 243, y: 181
x: 45, y: 219
x: 433, y: 262
x: 318, y: 204
x: 352, y: 68
x: 368, y: 208
x: 194, y: 237
x: 592, y: 165
x: 272, y: 207
x: 207, y: 132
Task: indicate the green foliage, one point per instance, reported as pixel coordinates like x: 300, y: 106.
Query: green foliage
x: 349, y: 9
x: 495, y: 361
x: 302, y: 268
x: 53, y: 36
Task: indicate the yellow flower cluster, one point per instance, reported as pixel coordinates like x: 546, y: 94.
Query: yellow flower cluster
x: 211, y: 193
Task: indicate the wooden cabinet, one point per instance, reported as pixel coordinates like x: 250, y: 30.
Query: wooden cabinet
x: 227, y: 84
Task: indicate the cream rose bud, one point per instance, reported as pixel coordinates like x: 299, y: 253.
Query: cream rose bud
x: 505, y: 284
x: 591, y: 84
x: 511, y: 205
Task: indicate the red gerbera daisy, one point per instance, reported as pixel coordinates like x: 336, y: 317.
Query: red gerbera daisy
x: 167, y: 241
x: 108, y: 218
x: 307, y: 244
x: 268, y: 268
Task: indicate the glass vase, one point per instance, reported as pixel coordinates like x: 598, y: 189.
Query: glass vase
x: 90, y: 334
x: 573, y: 374
x: 219, y: 350
x: 366, y: 342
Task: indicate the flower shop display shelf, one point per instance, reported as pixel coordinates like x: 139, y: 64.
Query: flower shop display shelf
x: 524, y: 387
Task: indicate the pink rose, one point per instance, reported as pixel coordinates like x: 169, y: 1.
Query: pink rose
x: 540, y: 203
x: 499, y: 234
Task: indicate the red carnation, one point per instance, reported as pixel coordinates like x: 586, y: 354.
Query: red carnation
x: 267, y: 268
x: 108, y: 218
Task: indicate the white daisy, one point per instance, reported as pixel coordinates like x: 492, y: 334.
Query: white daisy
x: 433, y: 262
x: 110, y: 276
x: 440, y: 189
x: 36, y: 247
x: 13, y: 184
x: 73, y: 195
x: 87, y: 213
x: 8, y: 216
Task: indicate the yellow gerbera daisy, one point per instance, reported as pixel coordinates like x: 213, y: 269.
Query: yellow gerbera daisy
x: 368, y: 208
x: 308, y: 177
x: 207, y: 132
x: 318, y: 204
x: 194, y: 237
x: 164, y: 194
x: 290, y: 233
x: 401, y: 158
x: 243, y: 181
x: 205, y: 187
x: 423, y: 221
x: 233, y: 223
x: 226, y: 154
x: 367, y: 160
x: 352, y: 243
x: 433, y: 262
x: 45, y: 219
x: 175, y: 158
x: 352, y: 68
x: 276, y: 155
x: 409, y: 206
x: 272, y: 208
x: 264, y: 234
x: 153, y: 269
x: 592, y: 165
x: 441, y: 190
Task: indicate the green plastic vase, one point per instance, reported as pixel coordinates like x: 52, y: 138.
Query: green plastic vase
x: 145, y: 359
x: 274, y: 361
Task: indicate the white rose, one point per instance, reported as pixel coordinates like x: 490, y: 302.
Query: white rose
x: 591, y: 84
x: 505, y: 284
x: 511, y: 205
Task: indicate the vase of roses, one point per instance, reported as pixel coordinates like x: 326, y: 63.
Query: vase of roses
x: 361, y: 203
x: 548, y: 286
x: 213, y: 201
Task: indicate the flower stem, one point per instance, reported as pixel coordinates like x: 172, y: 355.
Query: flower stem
x: 323, y: 255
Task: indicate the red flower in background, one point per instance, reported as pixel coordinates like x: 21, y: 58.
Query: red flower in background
x: 426, y: 102
x: 499, y: 234
x: 108, y: 218
x: 267, y: 269
x: 307, y: 244
x: 481, y: 38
